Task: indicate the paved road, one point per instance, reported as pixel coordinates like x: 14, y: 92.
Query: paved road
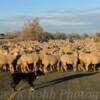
x: 55, y: 86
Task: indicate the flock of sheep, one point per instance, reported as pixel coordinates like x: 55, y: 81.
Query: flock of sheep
x: 51, y: 56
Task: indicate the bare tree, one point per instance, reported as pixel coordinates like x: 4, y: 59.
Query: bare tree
x: 32, y: 29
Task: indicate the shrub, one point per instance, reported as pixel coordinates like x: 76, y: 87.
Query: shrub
x: 59, y: 35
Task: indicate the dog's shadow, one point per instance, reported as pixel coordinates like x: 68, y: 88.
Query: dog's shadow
x: 63, y: 79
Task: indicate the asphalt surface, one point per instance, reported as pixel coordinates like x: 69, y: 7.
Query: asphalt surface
x: 54, y: 86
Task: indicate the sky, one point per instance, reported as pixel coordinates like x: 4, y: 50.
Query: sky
x: 79, y: 16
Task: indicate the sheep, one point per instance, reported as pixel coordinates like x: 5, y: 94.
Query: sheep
x: 69, y: 58
x: 27, y: 60
x: 89, y: 59
x: 23, y: 62
x: 53, y: 60
x: 9, y: 60
x: 49, y: 62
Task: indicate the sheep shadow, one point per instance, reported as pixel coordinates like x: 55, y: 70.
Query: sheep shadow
x: 63, y: 79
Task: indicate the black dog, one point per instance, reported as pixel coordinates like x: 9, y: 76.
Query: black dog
x: 28, y: 77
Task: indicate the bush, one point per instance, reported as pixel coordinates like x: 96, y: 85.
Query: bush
x: 59, y: 35
x: 98, y: 34
x: 73, y: 35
